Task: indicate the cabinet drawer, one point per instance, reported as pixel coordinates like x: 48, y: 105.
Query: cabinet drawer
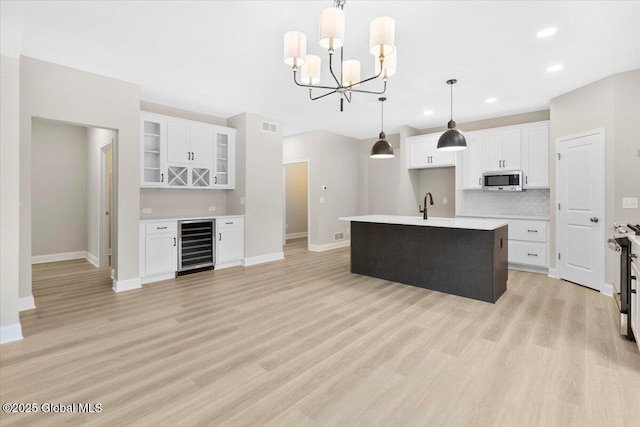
x: 528, y: 253
x: 528, y: 230
x: 228, y: 222
x: 161, y: 227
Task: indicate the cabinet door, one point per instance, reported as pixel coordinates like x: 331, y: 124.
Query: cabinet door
x: 178, y: 147
x: 224, y: 160
x: 201, y: 143
x: 152, y: 146
x: 472, y: 163
x: 418, y: 149
x: 161, y: 253
x: 535, y: 156
x: 492, y: 151
x: 511, y: 150
x: 438, y: 158
x: 229, y: 245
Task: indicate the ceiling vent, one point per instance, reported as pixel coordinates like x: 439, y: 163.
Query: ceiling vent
x: 269, y: 127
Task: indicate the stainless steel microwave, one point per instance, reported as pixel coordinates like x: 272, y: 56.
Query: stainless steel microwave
x: 502, y: 181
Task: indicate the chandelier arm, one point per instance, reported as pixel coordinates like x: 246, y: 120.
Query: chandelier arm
x: 331, y: 69
x: 364, y: 81
x: 371, y: 92
x: 347, y: 96
x: 311, y: 86
x: 321, y: 96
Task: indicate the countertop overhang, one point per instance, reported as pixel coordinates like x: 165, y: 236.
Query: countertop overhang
x: 465, y: 223
x: 188, y: 217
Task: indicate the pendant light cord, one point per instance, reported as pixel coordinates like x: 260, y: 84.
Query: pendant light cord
x: 451, y: 102
x: 382, y: 117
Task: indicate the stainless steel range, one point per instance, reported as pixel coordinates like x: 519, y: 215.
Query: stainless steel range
x: 621, y: 244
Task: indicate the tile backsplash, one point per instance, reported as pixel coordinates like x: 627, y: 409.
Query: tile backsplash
x: 529, y: 202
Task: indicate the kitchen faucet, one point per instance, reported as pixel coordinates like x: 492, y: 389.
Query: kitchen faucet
x: 424, y: 211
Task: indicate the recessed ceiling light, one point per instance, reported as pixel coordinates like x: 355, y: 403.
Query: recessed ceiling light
x: 428, y: 112
x: 490, y: 100
x: 546, y: 32
x: 556, y: 67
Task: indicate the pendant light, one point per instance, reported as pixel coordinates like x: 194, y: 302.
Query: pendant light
x: 382, y: 149
x: 452, y: 139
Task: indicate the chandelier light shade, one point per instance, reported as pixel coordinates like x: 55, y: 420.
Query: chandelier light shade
x: 382, y: 149
x: 452, y: 139
x: 332, y: 28
x: 351, y: 73
x: 388, y: 66
x: 310, y: 72
x: 295, y: 48
x: 382, y: 36
x: 345, y: 75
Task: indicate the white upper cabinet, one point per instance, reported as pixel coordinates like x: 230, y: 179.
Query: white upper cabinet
x: 501, y: 150
x: 180, y: 153
x: 153, y: 140
x: 423, y: 152
x: 535, y: 156
x: 472, y: 163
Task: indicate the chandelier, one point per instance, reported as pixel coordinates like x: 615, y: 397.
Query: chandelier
x: 345, y: 82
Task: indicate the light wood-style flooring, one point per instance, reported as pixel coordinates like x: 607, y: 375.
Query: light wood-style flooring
x: 305, y: 342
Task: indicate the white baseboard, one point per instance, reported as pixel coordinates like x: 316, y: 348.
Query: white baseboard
x: 228, y: 264
x: 553, y: 273
x: 10, y: 333
x: 529, y: 268
x: 297, y: 235
x: 26, y: 303
x: 126, y: 284
x: 93, y: 259
x: 64, y: 256
x: 261, y: 259
x: 157, y: 278
x: 607, y: 289
x: 329, y: 246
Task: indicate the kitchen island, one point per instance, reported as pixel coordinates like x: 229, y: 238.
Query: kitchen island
x: 459, y: 256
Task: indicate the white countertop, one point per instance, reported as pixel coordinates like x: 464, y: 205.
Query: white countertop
x: 188, y: 217
x: 532, y: 217
x: 467, y: 223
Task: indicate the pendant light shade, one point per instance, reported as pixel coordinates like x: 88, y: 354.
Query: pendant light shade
x: 452, y: 139
x: 382, y: 149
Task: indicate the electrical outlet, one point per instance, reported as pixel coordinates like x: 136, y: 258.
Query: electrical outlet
x: 242, y: 200
x: 212, y: 208
x: 629, y: 203
x: 444, y: 200
x: 146, y: 210
x: 338, y: 236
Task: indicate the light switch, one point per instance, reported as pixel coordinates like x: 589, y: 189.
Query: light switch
x: 630, y: 203
x: 444, y: 200
x: 146, y: 210
x: 212, y: 208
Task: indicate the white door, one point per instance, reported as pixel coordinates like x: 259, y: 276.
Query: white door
x: 511, y: 150
x: 581, y: 226
x: 178, y: 147
x: 472, y: 163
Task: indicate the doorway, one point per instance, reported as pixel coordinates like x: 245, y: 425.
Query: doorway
x: 580, y: 230
x: 296, y: 219
x: 106, y: 196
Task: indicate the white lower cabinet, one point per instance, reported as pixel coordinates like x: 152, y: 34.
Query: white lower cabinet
x: 158, y: 250
x: 229, y: 241
x: 635, y: 292
x: 528, y: 243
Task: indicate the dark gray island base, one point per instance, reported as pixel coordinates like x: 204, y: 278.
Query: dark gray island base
x: 467, y: 262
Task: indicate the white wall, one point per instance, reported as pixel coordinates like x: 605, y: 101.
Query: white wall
x: 297, y: 198
x: 58, y: 188
x: 96, y: 139
x: 612, y: 103
x: 55, y: 92
x: 334, y: 161
x: 10, y: 329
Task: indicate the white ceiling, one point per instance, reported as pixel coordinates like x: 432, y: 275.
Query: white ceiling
x: 225, y: 57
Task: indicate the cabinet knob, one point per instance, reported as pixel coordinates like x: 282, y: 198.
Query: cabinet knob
x: 219, y: 237
x: 594, y: 219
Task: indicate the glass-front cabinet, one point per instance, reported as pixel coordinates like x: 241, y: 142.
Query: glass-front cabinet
x: 224, y: 159
x: 153, y: 140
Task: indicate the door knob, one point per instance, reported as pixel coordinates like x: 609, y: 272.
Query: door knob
x: 594, y: 219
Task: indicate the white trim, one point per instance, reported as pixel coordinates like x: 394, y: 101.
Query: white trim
x: 607, y: 289
x: 63, y: 256
x: 261, y: 259
x: 228, y: 264
x: 553, y: 273
x: 529, y: 268
x: 93, y: 259
x: 126, y: 284
x: 10, y: 333
x: 156, y: 278
x: 284, y: 213
x: 26, y: 303
x: 113, y: 274
x: 329, y: 246
x: 297, y: 235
